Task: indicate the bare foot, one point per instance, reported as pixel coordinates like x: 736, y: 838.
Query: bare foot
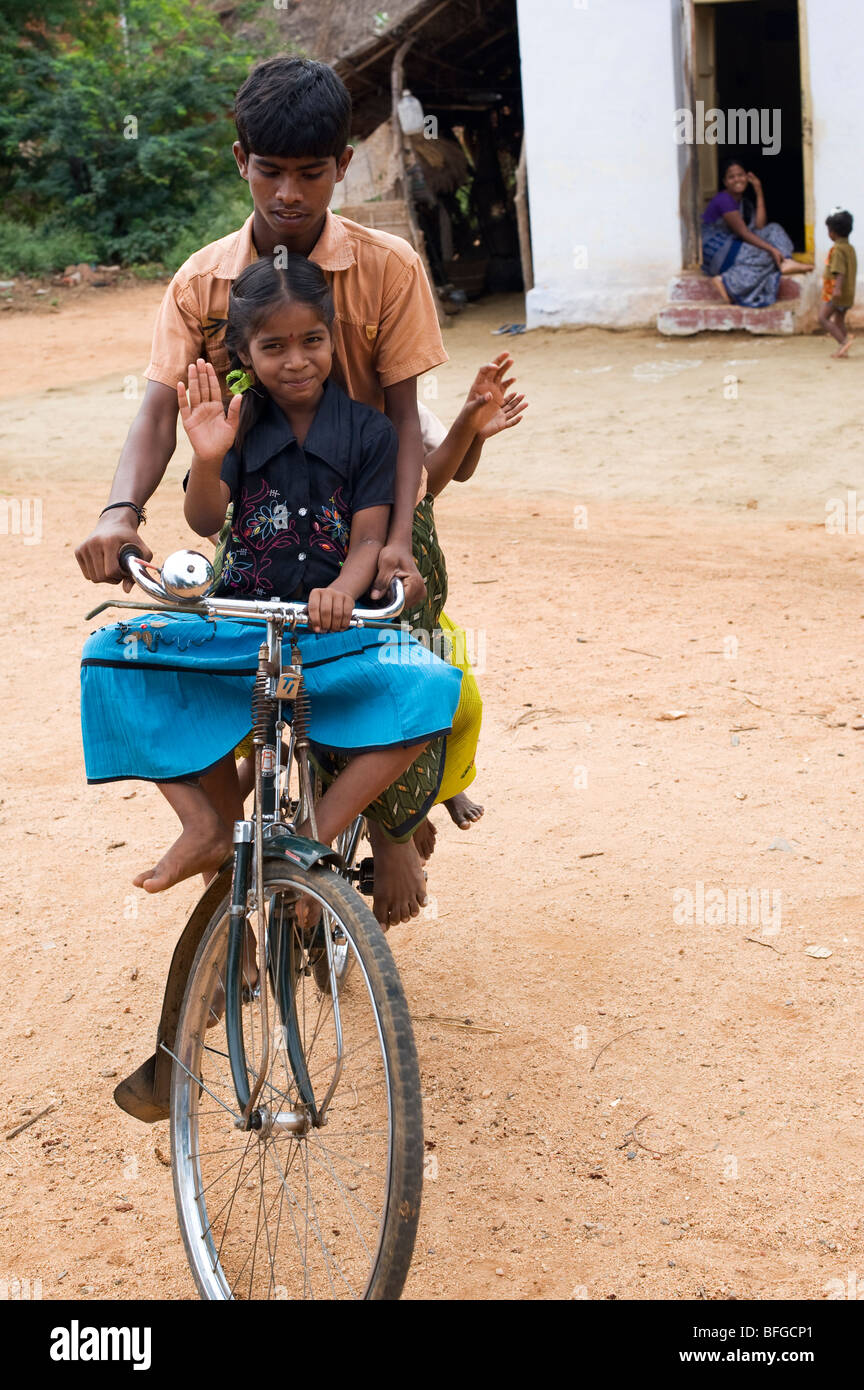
x: 790, y: 267
x: 717, y: 282
x: 307, y: 911
x: 844, y: 347
x: 463, y: 810
x: 424, y: 840
x: 200, y: 849
x: 400, y: 883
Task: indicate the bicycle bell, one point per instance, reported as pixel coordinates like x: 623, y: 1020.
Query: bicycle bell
x: 187, y: 574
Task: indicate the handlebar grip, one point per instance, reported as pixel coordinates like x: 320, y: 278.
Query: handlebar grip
x: 124, y: 554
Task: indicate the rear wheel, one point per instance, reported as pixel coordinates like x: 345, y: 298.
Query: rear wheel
x: 295, y: 1208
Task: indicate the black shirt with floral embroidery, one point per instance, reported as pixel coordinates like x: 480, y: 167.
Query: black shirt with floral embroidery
x: 293, y: 503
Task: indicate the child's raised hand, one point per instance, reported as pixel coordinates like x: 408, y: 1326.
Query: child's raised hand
x: 505, y: 417
x: 211, y: 432
x: 491, y: 378
x: 488, y: 392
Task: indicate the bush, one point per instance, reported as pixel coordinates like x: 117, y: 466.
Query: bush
x: 39, y: 250
x: 123, y: 132
x: 43, y: 248
x: 216, y: 219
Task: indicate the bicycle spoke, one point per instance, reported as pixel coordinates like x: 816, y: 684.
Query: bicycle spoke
x: 358, y: 1167
x: 320, y: 1238
x: 347, y: 1053
x: 229, y: 1201
x: 358, y: 1200
x: 214, y: 1181
x: 272, y: 1285
x: 257, y: 1223
x: 198, y: 1081
x: 254, y: 1246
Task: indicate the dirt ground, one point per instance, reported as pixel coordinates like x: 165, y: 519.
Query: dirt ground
x: 647, y: 1102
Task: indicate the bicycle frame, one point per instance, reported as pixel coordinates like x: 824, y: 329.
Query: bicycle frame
x: 265, y: 833
x: 271, y: 793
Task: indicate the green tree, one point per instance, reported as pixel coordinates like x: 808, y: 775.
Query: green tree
x: 118, y: 124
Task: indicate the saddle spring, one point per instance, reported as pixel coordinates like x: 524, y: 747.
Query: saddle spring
x: 301, y: 699
x: 260, y: 702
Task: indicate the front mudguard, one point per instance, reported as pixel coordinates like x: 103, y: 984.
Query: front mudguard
x: 145, y: 1093
x: 306, y: 853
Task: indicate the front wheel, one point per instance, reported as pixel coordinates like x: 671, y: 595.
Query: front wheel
x: 294, y: 1208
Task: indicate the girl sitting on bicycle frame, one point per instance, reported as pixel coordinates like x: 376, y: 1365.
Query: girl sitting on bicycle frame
x: 311, y: 476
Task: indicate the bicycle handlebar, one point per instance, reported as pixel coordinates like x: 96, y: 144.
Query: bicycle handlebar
x: 191, y: 575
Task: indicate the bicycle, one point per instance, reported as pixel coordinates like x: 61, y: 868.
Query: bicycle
x: 295, y: 1107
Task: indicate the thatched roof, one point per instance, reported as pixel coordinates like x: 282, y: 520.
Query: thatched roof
x: 463, y: 50
x: 465, y: 54
x: 327, y: 29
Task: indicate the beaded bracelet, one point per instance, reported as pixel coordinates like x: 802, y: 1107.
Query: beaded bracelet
x: 139, y: 511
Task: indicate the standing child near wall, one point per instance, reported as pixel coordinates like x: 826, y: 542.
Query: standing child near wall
x: 841, y: 271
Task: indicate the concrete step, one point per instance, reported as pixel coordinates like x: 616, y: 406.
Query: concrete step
x: 680, y: 318
x: 692, y: 287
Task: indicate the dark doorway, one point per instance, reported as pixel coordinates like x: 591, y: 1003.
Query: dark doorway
x: 748, y: 59
x: 759, y: 66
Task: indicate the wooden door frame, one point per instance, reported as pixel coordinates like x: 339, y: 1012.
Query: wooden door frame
x: 688, y: 167
x: 806, y: 130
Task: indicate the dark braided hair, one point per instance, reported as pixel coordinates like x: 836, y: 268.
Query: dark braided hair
x: 285, y: 278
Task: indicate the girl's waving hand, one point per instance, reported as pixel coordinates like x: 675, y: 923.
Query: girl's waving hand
x: 211, y: 432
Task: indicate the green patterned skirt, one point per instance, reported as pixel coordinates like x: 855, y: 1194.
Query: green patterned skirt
x: 403, y: 805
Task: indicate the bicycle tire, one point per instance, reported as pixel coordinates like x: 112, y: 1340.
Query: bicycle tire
x: 400, y: 1203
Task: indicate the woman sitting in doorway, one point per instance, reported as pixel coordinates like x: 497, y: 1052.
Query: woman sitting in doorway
x: 742, y: 251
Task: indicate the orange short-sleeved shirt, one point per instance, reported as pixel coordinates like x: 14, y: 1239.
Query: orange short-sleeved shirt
x: 386, y: 327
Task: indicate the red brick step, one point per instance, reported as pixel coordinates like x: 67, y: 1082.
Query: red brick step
x: 678, y: 320
x: 693, y: 287
x: 695, y: 305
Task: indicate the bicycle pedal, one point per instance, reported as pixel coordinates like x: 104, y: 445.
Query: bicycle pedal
x: 365, y: 876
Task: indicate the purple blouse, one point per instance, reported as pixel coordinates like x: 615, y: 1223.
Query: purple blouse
x: 720, y: 203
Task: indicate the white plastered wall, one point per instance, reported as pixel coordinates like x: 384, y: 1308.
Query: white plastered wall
x: 599, y: 86
x: 836, y: 41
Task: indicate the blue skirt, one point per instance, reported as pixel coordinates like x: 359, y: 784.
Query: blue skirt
x: 165, y: 697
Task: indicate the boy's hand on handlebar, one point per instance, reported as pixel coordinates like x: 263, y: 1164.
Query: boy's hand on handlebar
x: 97, y: 555
x: 397, y: 562
x: 330, y: 609
x: 211, y: 432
